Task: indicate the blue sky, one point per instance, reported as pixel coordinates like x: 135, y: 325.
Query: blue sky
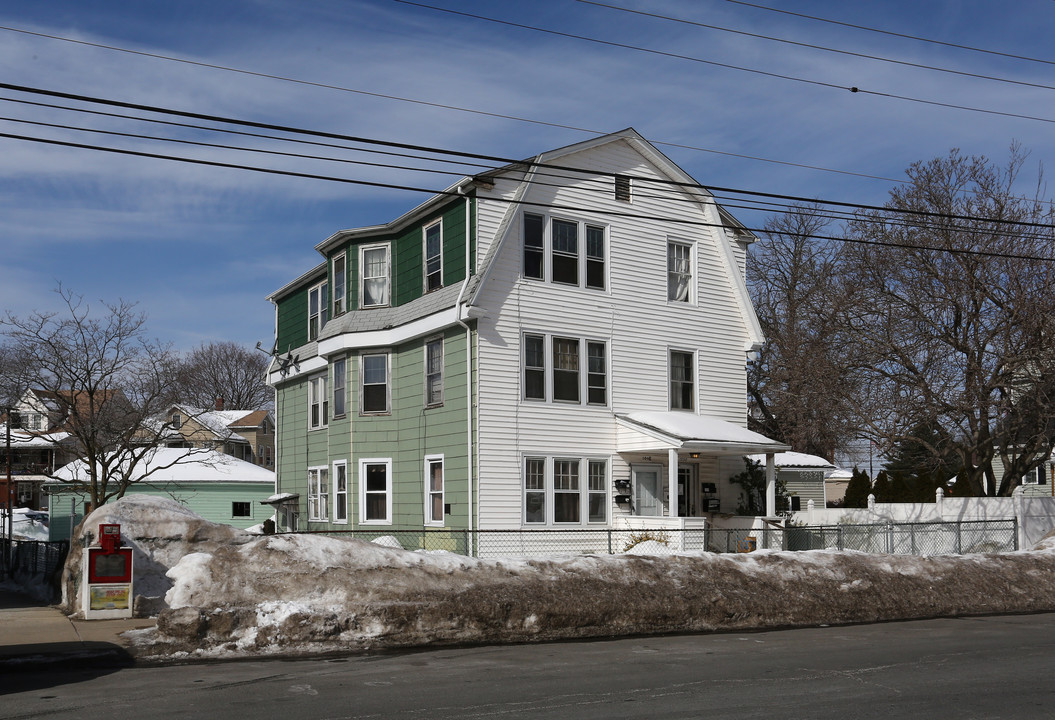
x: 200, y: 248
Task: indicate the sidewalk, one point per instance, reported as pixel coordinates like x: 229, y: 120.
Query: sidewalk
x: 33, y: 634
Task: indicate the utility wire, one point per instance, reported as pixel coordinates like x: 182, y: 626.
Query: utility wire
x: 477, y: 156
x: 729, y: 66
x: 811, y: 46
x: 893, y: 34
x: 442, y: 106
x: 511, y: 201
x: 605, y: 190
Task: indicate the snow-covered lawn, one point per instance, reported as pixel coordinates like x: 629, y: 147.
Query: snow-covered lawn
x: 228, y: 592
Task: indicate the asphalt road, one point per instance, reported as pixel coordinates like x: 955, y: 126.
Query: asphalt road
x: 996, y: 667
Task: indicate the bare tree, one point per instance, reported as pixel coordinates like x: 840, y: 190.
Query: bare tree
x: 225, y: 370
x: 801, y: 380
x: 108, y: 380
x: 959, y: 318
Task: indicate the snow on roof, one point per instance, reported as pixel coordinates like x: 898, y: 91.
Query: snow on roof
x: 689, y: 427
x: 795, y: 460
x: 21, y: 439
x: 182, y: 465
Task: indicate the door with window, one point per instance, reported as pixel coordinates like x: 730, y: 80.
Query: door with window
x: 648, y: 490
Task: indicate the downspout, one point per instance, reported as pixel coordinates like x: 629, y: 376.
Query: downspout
x: 473, y: 509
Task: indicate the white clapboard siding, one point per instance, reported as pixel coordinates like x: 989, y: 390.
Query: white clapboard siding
x: 633, y: 316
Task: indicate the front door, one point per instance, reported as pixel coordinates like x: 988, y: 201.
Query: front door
x: 648, y: 491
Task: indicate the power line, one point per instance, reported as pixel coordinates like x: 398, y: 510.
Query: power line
x: 442, y: 106
x: 892, y: 34
x: 823, y: 48
x: 498, y: 159
x: 729, y: 66
x: 452, y: 193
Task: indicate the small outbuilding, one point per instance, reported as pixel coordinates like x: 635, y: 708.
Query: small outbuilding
x: 218, y: 487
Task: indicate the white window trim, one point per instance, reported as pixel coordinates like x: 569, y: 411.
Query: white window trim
x: 693, y: 271
x: 324, y: 402
x: 425, y: 256
x: 547, y: 252
x: 340, y: 304
x: 333, y: 389
x: 388, y: 382
x: 695, y: 380
x: 429, y: 520
x: 334, y: 495
x: 388, y: 273
x: 584, y: 489
x: 318, y: 517
x: 387, y: 462
x: 425, y: 370
x: 323, y: 309
x: 584, y: 367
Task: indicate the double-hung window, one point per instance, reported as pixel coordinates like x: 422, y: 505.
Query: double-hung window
x: 535, y: 367
x: 565, y: 256
x: 576, y: 251
x: 374, y: 384
x: 318, y: 403
x: 681, y: 380
x: 577, y: 369
x: 375, y: 491
x: 318, y: 494
x: 566, y: 369
x: 434, y: 372
x: 565, y: 490
x: 340, y: 278
x: 375, y: 290
x: 318, y: 301
x: 434, y: 257
x: 679, y: 272
x: 340, y: 492
x: 340, y: 390
x: 434, y: 490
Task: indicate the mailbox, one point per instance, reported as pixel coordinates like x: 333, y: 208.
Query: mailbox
x: 107, y: 584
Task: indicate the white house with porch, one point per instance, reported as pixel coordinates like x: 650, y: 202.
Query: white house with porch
x: 559, y: 344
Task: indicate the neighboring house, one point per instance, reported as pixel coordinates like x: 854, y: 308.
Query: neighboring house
x: 33, y: 456
x: 245, y: 434
x: 218, y: 487
x: 560, y: 343
x: 803, y: 477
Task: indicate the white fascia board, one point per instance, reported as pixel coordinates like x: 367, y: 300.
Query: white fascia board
x: 390, y: 336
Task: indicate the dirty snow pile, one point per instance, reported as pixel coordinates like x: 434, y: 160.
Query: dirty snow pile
x: 296, y: 594
x: 160, y: 532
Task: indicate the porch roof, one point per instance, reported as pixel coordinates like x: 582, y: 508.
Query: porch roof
x: 654, y: 431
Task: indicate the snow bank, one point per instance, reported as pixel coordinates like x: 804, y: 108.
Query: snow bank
x: 160, y: 532
x: 226, y: 592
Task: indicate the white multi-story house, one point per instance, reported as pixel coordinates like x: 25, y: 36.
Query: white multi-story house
x: 559, y: 343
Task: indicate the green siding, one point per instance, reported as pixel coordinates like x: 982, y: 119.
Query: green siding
x: 406, y: 434
x: 212, y: 500
x: 293, y: 320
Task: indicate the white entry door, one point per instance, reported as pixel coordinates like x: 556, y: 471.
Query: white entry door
x: 648, y: 490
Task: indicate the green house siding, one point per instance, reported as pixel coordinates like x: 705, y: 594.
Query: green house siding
x: 292, y: 317
x: 408, y: 433
x: 214, y: 501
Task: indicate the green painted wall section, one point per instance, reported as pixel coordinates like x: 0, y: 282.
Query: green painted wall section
x: 406, y: 435
x: 212, y: 500
x: 408, y: 278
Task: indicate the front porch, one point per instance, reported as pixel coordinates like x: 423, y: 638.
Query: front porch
x: 679, y: 466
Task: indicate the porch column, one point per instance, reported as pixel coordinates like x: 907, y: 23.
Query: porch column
x: 771, y: 485
x: 672, y: 482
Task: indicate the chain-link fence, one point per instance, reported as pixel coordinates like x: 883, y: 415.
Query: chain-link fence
x: 980, y: 536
